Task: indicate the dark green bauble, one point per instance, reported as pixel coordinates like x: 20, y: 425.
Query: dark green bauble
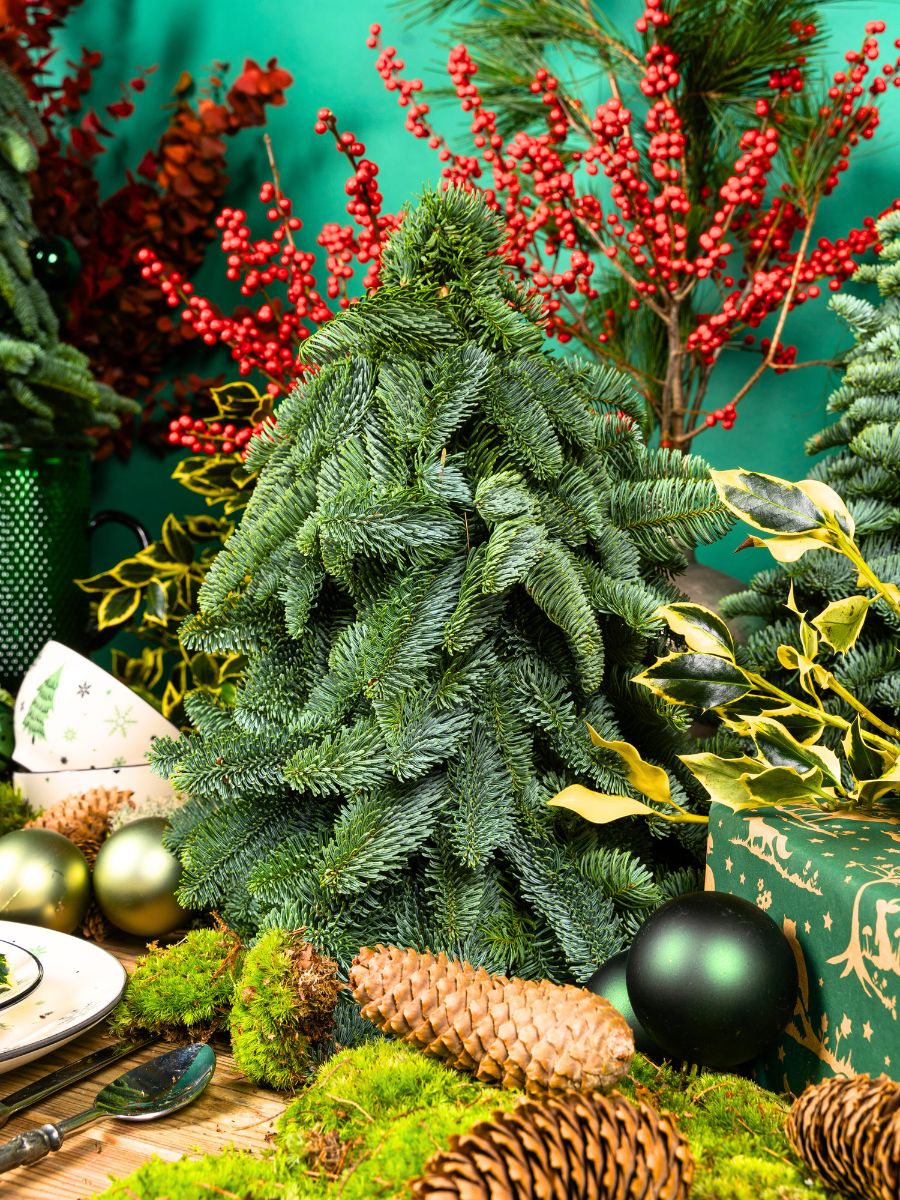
x: 44, y: 880
x: 712, y: 979
x: 136, y: 878
x: 609, y: 982
x: 55, y: 262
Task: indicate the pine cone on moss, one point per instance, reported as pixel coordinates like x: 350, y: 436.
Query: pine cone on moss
x: 83, y: 819
x: 569, y: 1147
x: 848, y: 1132
x: 536, y: 1036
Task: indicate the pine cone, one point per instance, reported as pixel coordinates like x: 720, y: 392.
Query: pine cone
x: 570, y: 1147
x: 95, y: 926
x: 83, y: 819
x: 848, y: 1132
x: 536, y: 1036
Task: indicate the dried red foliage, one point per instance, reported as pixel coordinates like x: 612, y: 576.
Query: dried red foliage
x: 167, y: 204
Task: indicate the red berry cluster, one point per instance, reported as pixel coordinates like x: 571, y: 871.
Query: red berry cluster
x: 751, y: 250
x: 209, y: 437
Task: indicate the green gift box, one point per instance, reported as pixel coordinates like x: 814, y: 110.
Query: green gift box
x: 832, y: 882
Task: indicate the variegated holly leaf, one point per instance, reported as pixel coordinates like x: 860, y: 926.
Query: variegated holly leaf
x: 787, y: 547
x: 698, y: 680
x: 782, y: 785
x: 841, y: 623
x: 870, y: 790
x: 868, y: 755
x: 780, y: 748
x: 722, y: 777
x: 703, y: 630
x: 649, y: 780
x: 773, y: 505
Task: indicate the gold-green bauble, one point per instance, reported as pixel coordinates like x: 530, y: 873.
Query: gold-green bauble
x: 136, y: 878
x: 44, y: 880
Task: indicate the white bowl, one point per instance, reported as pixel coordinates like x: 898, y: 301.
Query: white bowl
x: 70, y: 714
x: 42, y: 790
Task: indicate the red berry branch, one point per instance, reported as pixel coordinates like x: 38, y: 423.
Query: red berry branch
x: 708, y: 269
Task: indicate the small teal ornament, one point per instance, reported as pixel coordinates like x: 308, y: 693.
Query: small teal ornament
x: 712, y: 978
x: 609, y: 982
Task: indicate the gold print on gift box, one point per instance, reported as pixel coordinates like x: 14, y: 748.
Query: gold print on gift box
x: 800, y: 1027
x: 769, y: 843
x: 873, y: 953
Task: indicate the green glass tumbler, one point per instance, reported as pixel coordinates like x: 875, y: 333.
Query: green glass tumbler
x: 45, y: 505
x: 45, y: 531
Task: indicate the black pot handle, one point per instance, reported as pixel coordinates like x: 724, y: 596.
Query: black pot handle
x: 112, y: 516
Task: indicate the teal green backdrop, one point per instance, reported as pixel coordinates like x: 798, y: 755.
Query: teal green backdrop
x: 323, y: 45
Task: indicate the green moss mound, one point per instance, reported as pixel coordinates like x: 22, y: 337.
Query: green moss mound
x: 374, y: 1116
x: 15, y: 811
x: 186, y: 987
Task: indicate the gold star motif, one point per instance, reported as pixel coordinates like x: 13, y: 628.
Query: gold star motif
x: 827, y: 920
x: 781, y: 1053
x: 728, y: 864
x: 743, y: 877
x: 867, y: 1031
x: 807, y: 928
x: 887, y: 1060
x: 846, y: 1026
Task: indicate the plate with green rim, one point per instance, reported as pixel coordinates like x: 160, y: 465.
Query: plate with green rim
x: 80, y: 985
x: 25, y: 973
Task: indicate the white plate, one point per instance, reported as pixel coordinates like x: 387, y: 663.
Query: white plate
x: 81, y: 985
x: 26, y: 971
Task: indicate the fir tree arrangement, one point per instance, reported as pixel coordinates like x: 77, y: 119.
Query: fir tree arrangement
x: 449, y: 562
x: 48, y: 396
x: 866, y: 472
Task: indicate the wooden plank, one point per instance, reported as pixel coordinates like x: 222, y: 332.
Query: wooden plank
x: 231, y: 1112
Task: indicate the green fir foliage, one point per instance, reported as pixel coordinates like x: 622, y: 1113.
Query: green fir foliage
x: 188, y: 986
x: 48, y: 397
x: 865, y: 470
x: 377, y: 1113
x: 448, y: 564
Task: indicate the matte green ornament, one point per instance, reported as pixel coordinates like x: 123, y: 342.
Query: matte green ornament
x: 44, y: 880
x: 609, y: 982
x: 712, y: 978
x: 136, y: 878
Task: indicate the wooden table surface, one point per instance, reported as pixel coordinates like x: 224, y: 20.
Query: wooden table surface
x: 230, y: 1112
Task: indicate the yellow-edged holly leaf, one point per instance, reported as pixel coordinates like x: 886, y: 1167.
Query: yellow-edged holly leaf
x: 780, y: 748
x: 869, y: 790
x: 868, y: 755
x: 841, y: 623
x: 600, y: 807
x: 116, y: 607
x: 830, y: 503
x: 787, y: 548
x: 703, y: 630
x: 781, y: 785
x: 722, y: 777
x: 776, y: 506
x: 649, y: 780
x: 176, y: 540
x: 698, y: 680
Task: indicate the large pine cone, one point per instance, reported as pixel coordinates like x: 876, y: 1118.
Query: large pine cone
x: 571, y: 1147
x: 848, y: 1132
x: 83, y: 819
x: 536, y: 1036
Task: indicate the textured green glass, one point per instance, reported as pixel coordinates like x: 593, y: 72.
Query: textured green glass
x: 44, y: 514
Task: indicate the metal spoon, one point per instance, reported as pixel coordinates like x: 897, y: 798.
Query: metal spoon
x: 154, y: 1089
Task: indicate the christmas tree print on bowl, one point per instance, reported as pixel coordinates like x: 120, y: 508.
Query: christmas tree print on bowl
x: 72, y: 715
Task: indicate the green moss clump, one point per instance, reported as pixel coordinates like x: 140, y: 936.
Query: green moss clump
x: 374, y: 1115
x: 187, y: 986
x: 15, y: 811
x: 283, y: 1011
x: 234, y: 1173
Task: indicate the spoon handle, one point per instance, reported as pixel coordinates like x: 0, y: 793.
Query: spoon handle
x: 30, y: 1146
